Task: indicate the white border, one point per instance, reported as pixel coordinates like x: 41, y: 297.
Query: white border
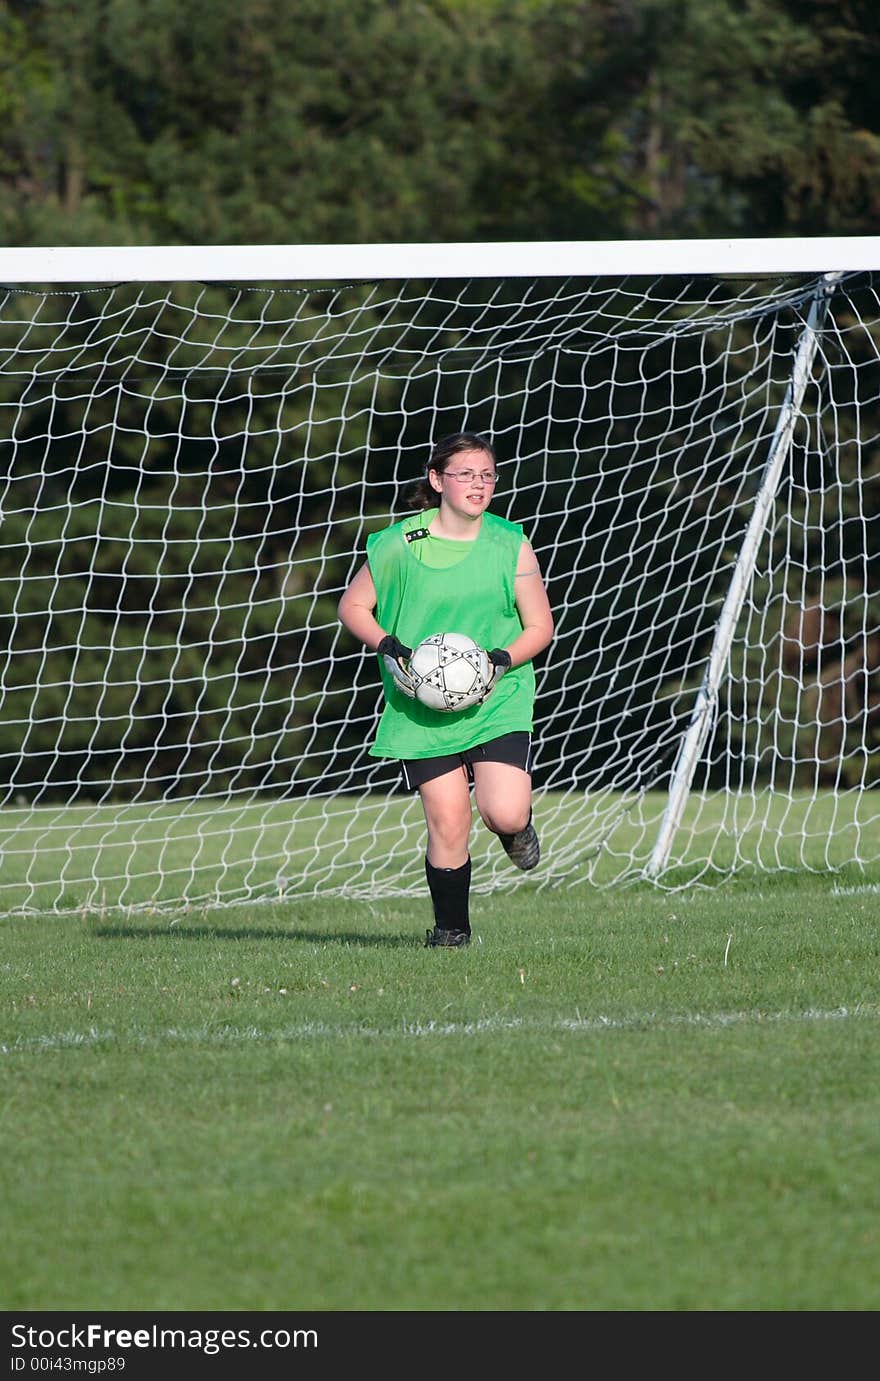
x: 312, y: 263
x: 408, y: 1029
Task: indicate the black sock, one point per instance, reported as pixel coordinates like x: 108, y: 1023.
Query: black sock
x: 450, y: 890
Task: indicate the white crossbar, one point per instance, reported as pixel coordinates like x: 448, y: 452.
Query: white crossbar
x: 581, y: 258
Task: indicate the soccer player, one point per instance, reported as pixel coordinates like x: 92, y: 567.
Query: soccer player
x: 453, y: 567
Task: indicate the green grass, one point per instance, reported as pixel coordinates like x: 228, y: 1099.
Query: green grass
x: 614, y: 1100
x: 122, y: 858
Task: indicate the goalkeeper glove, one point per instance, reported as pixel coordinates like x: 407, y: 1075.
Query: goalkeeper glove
x: 394, y: 653
x: 500, y: 661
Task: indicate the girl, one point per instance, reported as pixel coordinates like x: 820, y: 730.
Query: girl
x: 453, y: 567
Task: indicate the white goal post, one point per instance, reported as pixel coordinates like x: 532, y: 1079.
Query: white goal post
x: 196, y: 441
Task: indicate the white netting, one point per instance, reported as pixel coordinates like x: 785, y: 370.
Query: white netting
x: 188, y: 475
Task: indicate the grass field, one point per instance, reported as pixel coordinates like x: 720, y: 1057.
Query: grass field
x: 156, y: 856
x: 614, y: 1100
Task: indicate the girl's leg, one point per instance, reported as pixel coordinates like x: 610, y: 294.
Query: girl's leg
x: 503, y: 795
x: 446, y: 802
x: 504, y: 799
x: 447, y: 805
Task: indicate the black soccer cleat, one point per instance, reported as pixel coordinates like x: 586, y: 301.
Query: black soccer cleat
x: 441, y: 938
x: 523, y: 849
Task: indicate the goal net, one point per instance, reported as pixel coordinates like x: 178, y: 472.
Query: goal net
x: 196, y: 444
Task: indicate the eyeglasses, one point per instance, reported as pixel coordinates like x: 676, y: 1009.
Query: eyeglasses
x: 488, y: 477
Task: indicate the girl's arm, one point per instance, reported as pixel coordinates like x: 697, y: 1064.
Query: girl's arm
x: 356, y: 607
x: 534, y: 609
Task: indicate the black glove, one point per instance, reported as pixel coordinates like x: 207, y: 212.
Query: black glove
x: 500, y: 659
x: 500, y: 662
x: 394, y: 653
x: 393, y: 647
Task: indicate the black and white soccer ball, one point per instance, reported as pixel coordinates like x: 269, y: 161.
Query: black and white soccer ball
x: 450, y: 671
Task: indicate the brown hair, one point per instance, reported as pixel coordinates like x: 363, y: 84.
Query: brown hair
x: 422, y: 494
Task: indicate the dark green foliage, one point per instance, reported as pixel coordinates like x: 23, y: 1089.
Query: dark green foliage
x: 240, y: 121
x: 354, y: 120
x: 164, y: 554
x: 190, y: 474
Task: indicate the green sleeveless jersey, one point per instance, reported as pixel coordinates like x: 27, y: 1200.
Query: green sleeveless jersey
x: 475, y: 596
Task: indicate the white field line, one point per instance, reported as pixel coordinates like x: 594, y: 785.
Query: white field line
x: 408, y: 1030
x: 855, y: 891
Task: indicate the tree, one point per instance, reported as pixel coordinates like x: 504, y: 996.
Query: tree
x: 758, y: 117
x: 241, y: 121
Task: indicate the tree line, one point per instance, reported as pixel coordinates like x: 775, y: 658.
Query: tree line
x: 330, y: 121
x: 167, y: 583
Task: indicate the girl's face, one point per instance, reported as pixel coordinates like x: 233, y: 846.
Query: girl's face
x: 467, y: 484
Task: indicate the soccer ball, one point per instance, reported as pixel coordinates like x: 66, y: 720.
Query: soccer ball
x: 450, y: 671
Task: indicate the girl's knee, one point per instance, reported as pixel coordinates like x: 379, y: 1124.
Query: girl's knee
x: 502, y: 819
x: 450, y: 831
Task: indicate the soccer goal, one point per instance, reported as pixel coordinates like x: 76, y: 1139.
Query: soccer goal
x: 196, y: 443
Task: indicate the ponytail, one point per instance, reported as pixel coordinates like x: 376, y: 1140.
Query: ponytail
x: 421, y: 495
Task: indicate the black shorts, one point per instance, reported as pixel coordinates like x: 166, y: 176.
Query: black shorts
x: 515, y: 749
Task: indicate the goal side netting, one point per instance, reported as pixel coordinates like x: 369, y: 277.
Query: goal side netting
x: 189, y: 470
